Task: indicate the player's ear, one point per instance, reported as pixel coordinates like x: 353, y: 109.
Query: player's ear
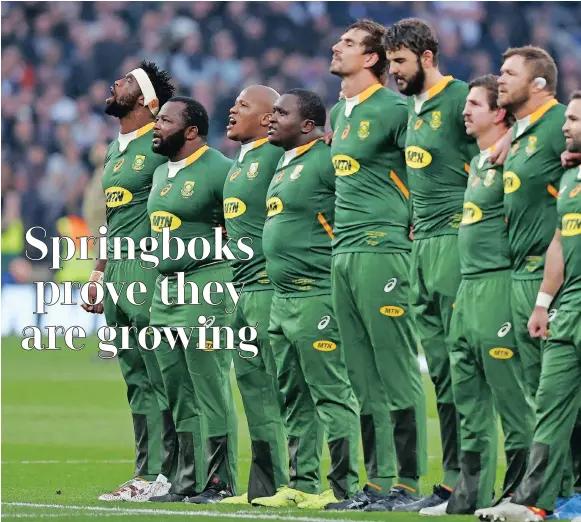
x: 141, y: 100
x: 500, y: 115
x: 371, y: 59
x: 265, y: 120
x: 427, y: 58
x: 191, y: 133
x: 307, y: 126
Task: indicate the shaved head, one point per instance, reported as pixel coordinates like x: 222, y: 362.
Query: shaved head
x: 261, y: 94
x: 250, y: 113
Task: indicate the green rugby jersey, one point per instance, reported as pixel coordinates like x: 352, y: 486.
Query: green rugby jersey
x: 127, y: 177
x: 532, y: 171
x: 186, y: 197
x: 298, y: 233
x: 372, y: 208
x: 438, y: 154
x: 244, y: 196
x: 483, y: 234
x: 569, y: 212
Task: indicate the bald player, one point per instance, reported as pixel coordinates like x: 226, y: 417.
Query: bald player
x: 244, y: 199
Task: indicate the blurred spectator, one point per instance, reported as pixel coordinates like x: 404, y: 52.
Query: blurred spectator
x: 59, y: 59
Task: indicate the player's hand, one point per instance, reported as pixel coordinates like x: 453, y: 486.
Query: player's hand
x: 501, y: 148
x: 92, y: 308
x: 411, y: 234
x: 328, y: 138
x: 570, y: 159
x: 538, y: 322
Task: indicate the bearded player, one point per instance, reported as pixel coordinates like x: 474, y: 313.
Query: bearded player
x: 187, y: 198
x: 127, y: 177
x: 244, y: 196
x: 371, y: 258
x: 532, y: 172
x: 559, y: 395
x: 438, y: 154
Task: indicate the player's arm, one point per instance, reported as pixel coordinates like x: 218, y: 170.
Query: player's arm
x: 552, y: 281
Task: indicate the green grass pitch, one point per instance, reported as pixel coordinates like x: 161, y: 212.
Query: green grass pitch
x: 66, y: 427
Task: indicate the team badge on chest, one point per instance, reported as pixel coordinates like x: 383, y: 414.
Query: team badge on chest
x: 489, y: 179
x: 188, y: 189
x: 138, y: 162
x: 531, y: 145
x: 363, y: 130
x: 252, y: 171
x: 295, y: 174
x: 436, y: 122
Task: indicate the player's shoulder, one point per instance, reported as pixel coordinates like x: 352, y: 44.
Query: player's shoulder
x: 385, y: 95
x: 217, y: 158
x: 456, y: 91
x: 270, y: 152
x: 556, y: 114
x: 320, y: 151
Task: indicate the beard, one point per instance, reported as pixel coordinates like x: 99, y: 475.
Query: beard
x: 171, y: 145
x: 120, y: 107
x: 415, y: 85
x: 517, y: 100
x: 575, y: 145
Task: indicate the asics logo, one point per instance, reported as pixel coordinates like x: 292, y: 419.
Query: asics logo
x: 504, y: 329
x: 390, y: 285
x: 210, y: 321
x: 324, y: 322
x: 552, y: 314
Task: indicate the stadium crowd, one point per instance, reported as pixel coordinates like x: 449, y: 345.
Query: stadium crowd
x: 59, y: 59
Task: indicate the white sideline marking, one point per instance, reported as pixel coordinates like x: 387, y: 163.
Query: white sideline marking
x: 129, y: 511
x: 55, y: 515
x: 120, y: 461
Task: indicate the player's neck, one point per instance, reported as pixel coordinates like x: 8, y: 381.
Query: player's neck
x: 491, y: 136
x: 533, y: 103
x: 257, y: 136
x: 303, y: 139
x: 134, y: 120
x: 357, y: 83
x: 187, y: 150
x: 433, y: 77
